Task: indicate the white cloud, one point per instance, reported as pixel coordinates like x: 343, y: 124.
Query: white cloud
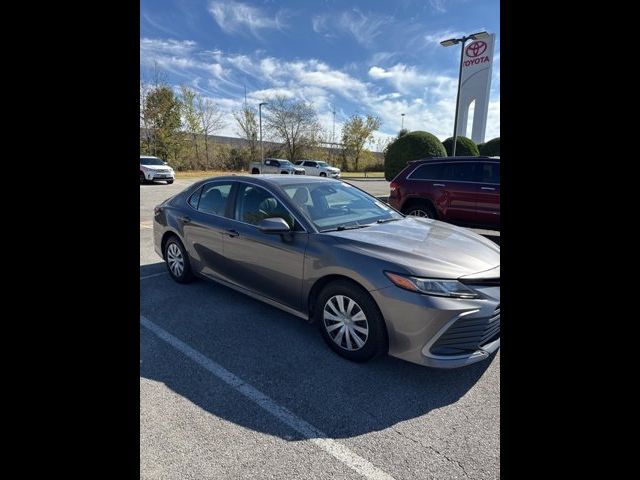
x: 363, y: 27
x: 435, y: 38
x: 237, y: 17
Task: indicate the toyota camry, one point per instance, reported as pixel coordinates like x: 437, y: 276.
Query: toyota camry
x: 373, y: 280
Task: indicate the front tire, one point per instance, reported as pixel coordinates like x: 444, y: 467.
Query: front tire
x: 177, y: 261
x: 350, y: 321
x: 169, y: 182
x: 322, y: 174
x: 142, y: 179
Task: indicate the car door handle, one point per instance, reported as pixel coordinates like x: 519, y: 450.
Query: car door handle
x: 185, y: 219
x: 233, y: 233
x: 488, y: 188
x: 438, y: 184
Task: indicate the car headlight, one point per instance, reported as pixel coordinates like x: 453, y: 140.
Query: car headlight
x: 432, y: 286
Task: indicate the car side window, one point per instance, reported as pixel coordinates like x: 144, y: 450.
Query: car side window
x: 275, y: 163
x: 311, y: 164
x: 428, y: 172
x: 254, y: 204
x: 195, y: 198
x: 463, y: 172
x: 213, y: 198
x: 491, y: 172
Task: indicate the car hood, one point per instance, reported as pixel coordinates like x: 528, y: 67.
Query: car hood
x: 333, y: 169
x: 425, y: 247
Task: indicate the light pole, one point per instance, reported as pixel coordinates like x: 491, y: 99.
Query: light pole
x: 448, y: 43
x: 260, y: 112
x: 402, y: 126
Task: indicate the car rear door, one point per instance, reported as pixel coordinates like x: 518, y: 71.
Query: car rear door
x: 311, y: 168
x: 488, y: 194
x: 268, y: 264
x: 459, y: 192
x: 203, y: 227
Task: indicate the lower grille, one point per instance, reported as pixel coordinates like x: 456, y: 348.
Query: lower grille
x: 467, y: 335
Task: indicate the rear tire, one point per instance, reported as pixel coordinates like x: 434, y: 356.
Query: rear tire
x: 420, y: 209
x: 255, y: 171
x: 142, y: 179
x: 177, y: 260
x: 350, y: 321
x: 322, y: 174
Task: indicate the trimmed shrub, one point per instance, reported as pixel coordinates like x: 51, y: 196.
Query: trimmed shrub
x: 490, y: 148
x: 411, y: 146
x: 465, y: 147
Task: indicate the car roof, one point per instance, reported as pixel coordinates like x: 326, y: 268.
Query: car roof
x: 453, y: 159
x: 273, y: 179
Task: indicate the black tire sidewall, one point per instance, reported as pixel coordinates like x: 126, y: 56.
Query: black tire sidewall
x: 322, y: 174
x: 186, y: 276
x: 376, y: 343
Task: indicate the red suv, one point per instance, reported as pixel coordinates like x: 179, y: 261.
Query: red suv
x: 460, y: 190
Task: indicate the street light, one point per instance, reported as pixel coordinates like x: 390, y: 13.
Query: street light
x: 448, y: 43
x: 260, y: 112
x: 402, y: 127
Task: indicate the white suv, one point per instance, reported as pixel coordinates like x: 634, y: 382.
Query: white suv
x: 153, y: 168
x: 318, y: 168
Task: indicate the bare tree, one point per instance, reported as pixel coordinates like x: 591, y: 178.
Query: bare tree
x: 356, y: 132
x: 248, y: 128
x: 210, y: 121
x: 294, y: 123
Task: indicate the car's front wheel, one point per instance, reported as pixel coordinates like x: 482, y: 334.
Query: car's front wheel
x: 350, y: 321
x: 177, y: 261
x: 142, y: 179
x: 322, y: 174
x: 169, y: 182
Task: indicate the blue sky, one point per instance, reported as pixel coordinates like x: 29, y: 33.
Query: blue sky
x: 379, y: 56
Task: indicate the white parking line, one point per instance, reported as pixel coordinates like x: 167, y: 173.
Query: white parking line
x: 320, y: 439
x: 153, y: 275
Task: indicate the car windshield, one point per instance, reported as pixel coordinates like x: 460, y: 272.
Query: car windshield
x: 323, y: 164
x: 284, y: 163
x: 338, y: 206
x: 151, y: 161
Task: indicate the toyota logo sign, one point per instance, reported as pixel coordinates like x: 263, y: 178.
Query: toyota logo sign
x: 476, y: 49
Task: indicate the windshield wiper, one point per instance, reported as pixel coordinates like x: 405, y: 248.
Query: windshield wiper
x: 385, y: 220
x: 339, y: 228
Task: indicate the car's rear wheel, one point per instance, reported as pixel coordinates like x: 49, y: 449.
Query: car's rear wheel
x: 322, y: 174
x: 142, y: 179
x: 350, y: 321
x: 177, y: 261
x: 420, y: 209
x: 255, y: 171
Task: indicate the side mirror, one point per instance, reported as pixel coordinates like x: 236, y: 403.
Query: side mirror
x: 274, y: 225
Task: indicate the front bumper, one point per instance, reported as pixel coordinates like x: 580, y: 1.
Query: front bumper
x: 416, y: 323
x: 160, y: 176
x: 334, y: 175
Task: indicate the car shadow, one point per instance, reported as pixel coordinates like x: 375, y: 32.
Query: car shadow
x: 286, y: 359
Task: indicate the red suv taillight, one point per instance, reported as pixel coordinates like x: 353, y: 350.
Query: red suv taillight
x: 393, y: 187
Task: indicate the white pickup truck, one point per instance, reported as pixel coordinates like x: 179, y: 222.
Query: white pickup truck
x: 318, y: 168
x: 275, y: 165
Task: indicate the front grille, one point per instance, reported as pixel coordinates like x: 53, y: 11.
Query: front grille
x: 467, y: 335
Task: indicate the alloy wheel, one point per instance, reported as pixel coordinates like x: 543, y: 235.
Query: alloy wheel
x: 175, y: 260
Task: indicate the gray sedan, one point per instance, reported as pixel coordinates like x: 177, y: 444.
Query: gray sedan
x: 373, y: 280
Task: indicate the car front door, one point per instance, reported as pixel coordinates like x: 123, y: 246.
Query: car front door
x: 204, y: 225
x: 311, y: 168
x: 266, y: 263
x: 488, y: 194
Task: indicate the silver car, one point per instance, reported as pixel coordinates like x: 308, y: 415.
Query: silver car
x: 373, y: 280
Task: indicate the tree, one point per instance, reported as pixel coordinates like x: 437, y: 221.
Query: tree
x: 294, y: 123
x: 465, y: 147
x: 191, y: 119
x: 248, y: 129
x: 211, y: 121
x: 162, y: 115
x: 402, y: 132
x: 490, y: 148
x: 412, y: 146
x: 356, y: 132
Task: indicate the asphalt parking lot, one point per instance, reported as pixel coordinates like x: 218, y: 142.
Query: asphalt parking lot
x: 233, y: 388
